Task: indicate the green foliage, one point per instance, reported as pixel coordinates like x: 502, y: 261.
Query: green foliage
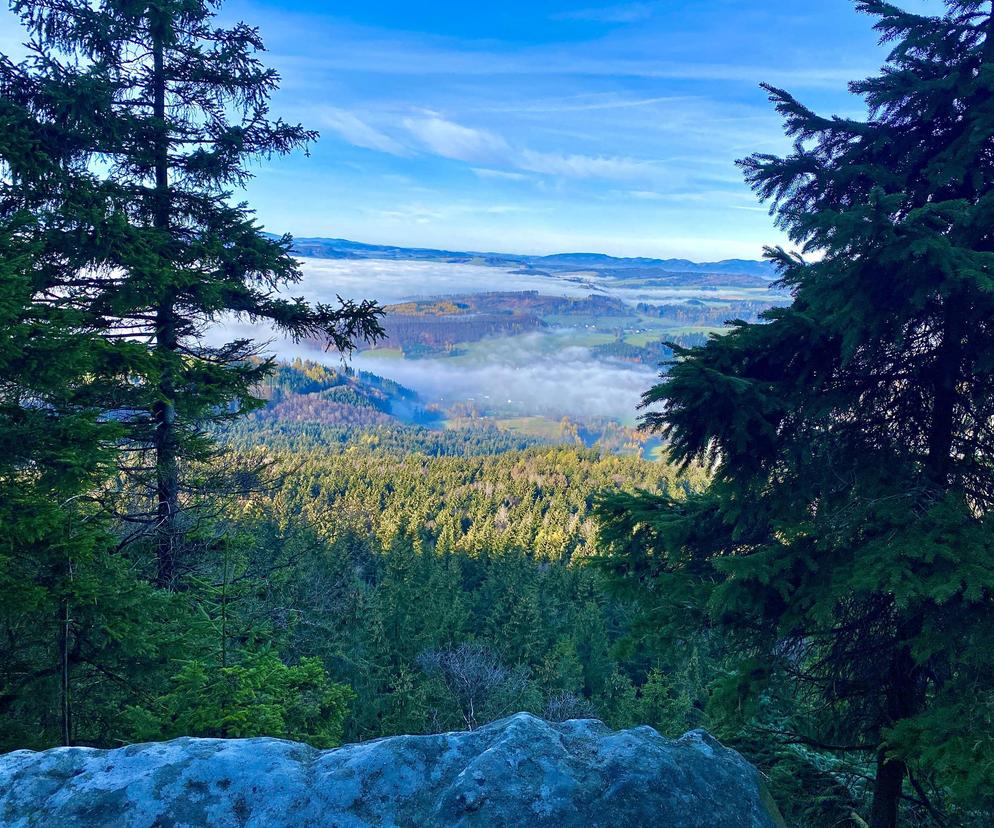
x: 812, y: 789
x: 260, y: 697
x: 389, y: 557
x: 842, y: 551
x: 121, y: 136
x: 561, y: 669
x: 665, y: 706
x: 68, y: 620
x: 617, y: 703
x: 955, y: 743
x: 153, y: 113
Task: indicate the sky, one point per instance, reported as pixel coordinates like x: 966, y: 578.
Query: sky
x: 541, y: 126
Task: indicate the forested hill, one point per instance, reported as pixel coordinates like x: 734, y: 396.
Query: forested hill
x: 305, y: 391
x: 761, y: 271
x: 310, y: 405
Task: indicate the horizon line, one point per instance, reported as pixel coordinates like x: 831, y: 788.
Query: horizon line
x: 495, y: 253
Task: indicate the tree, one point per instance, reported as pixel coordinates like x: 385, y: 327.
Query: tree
x: 563, y: 705
x: 483, y: 688
x: 50, y: 452
x: 163, y: 110
x: 260, y: 697
x: 54, y: 448
x: 72, y: 618
x: 844, y: 544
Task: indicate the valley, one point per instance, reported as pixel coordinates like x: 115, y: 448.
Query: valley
x: 541, y: 349
x: 546, y: 535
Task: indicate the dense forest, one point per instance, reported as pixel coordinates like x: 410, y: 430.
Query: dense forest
x: 198, y: 541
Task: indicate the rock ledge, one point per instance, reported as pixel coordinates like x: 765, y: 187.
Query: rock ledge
x: 520, y: 771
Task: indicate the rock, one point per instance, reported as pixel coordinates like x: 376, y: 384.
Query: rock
x: 520, y: 771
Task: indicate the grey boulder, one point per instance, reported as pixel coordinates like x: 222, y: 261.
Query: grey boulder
x: 520, y: 771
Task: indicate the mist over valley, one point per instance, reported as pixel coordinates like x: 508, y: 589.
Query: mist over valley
x: 517, y: 344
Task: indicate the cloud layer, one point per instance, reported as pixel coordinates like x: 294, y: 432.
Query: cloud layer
x: 614, y: 126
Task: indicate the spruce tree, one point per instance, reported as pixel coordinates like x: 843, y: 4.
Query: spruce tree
x: 844, y: 545
x: 54, y: 446
x: 164, y: 109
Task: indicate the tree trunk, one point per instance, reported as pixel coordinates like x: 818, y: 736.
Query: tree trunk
x: 904, y: 698
x: 904, y: 695
x: 62, y: 645
x: 166, y: 459
x: 166, y: 340
x: 887, y: 791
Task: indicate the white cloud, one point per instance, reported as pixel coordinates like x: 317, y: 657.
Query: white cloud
x: 417, y: 213
x: 586, y: 166
x: 696, y: 196
x: 484, y: 172
x: 452, y: 140
x: 425, y: 214
x: 594, y: 102
x: 357, y: 132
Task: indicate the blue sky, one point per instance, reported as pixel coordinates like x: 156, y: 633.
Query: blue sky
x: 543, y: 125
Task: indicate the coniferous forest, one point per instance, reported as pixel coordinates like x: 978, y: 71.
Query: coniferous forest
x: 196, y: 539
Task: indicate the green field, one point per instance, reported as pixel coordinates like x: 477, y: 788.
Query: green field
x: 643, y: 338
x: 387, y: 353
x: 682, y: 330
x: 532, y: 427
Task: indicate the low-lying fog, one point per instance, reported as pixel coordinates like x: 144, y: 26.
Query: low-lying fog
x: 513, y: 378
x: 518, y: 377
x: 390, y: 282
x: 571, y: 382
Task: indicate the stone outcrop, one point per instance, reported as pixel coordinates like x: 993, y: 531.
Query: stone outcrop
x: 520, y: 771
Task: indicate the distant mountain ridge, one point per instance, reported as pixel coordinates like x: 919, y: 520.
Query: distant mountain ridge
x: 601, y: 262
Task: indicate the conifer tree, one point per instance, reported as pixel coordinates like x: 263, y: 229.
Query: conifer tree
x: 845, y: 542
x: 54, y: 446
x: 164, y: 109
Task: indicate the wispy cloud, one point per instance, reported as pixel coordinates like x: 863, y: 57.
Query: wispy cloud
x: 574, y: 165
x: 420, y: 213
x: 357, y: 132
x: 473, y: 145
x: 452, y: 140
x: 700, y: 195
x: 504, y: 175
x: 480, y: 146
x: 593, y: 103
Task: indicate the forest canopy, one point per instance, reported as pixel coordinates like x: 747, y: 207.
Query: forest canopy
x: 198, y: 540
x: 843, y: 546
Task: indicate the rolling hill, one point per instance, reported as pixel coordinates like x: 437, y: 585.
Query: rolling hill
x: 760, y: 271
